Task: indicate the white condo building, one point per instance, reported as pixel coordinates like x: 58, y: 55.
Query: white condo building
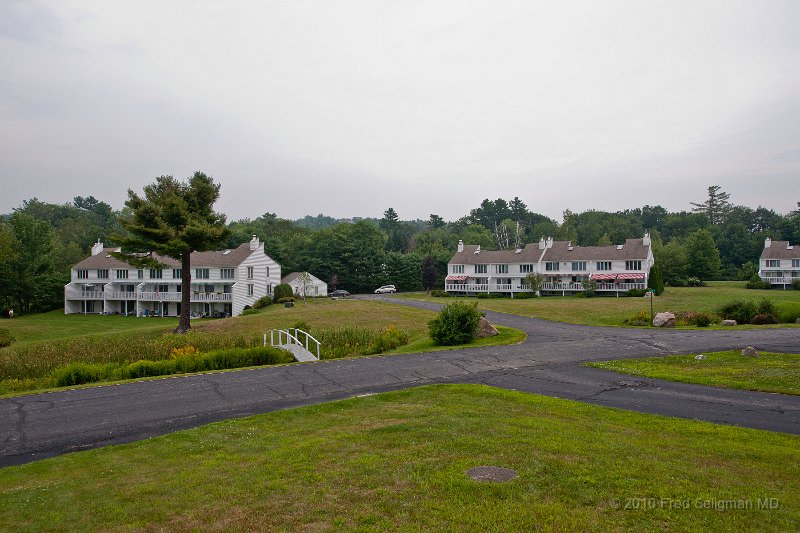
x: 779, y: 263
x: 223, y: 282
x: 565, y: 267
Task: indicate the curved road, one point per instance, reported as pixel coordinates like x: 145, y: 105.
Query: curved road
x: 548, y: 362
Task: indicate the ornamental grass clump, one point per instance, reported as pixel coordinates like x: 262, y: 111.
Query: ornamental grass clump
x: 457, y: 323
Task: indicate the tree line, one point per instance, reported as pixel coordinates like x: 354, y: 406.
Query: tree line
x: 711, y: 239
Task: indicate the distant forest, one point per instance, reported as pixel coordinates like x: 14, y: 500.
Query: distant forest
x: 712, y: 239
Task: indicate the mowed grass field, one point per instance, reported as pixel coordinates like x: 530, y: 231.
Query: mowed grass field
x: 771, y: 372
x: 398, y: 461
x: 612, y: 311
x: 53, y: 340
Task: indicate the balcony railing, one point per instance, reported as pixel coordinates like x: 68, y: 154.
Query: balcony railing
x: 549, y: 286
x: 148, y: 296
x: 84, y: 295
x: 120, y: 295
x: 781, y: 281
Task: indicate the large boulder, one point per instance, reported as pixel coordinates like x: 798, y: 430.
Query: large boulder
x: 485, y: 329
x: 749, y: 351
x: 729, y: 322
x: 664, y: 320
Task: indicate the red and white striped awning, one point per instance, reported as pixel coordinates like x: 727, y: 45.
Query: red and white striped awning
x: 632, y: 275
x: 456, y: 278
x: 603, y: 277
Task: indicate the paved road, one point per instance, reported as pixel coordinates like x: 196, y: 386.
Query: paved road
x: 548, y: 362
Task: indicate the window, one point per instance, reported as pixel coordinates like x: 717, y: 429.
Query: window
x: 501, y: 269
x: 480, y: 269
x: 481, y: 281
x: 526, y: 269
x: 156, y: 273
x: 249, y: 289
x: 579, y: 265
x: 177, y: 273
x: 551, y: 266
x: 603, y: 265
x: 249, y: 272
x: 773, y: 262
x: 122, y: 274
x: 269, y: 288
x: 795, y: 263
x: 226, y: 273
x: 102, y: 274
x: 83, y: 274
x: 201, y: 273
x: 267, y: 272
x: 457, y: 269
x: 633, y: 265
x: 140, y: 274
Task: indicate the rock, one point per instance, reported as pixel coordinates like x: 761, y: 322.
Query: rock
x: 729, y: 322
x: 485, y: 329
x: 700, y: 357
x: 749, y: 351
x: 797, y: 321
x: 664, y: 320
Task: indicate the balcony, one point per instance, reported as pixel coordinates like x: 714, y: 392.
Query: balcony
x: 120, y: 295
x: 549, y: 286
x: 84, y: 295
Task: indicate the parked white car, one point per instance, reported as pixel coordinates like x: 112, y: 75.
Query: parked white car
x: 385, y: 288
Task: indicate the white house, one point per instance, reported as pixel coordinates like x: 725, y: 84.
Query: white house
x: 223, y: 282
x: 615, y: 268
x: 312, y: 287
x: 779, y: 263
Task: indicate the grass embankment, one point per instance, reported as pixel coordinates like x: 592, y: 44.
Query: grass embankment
x: 398, y: 461
x: 51, y: 341
x: 772, y: 372
x: 612, y: 311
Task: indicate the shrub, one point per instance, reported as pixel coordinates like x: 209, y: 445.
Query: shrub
x: 285, y: 299
x: 796, y: 284
x: 787, y: 312
x: 589, y: 288
x: 757, y: 283
x: 763, y: 318
x: 284, y: 290
x: 490, y: 295
x: 656, y: 279
x: 80, y: 373
x: 262, y: 302
x: 695, y: 282
x: 525, y: 295
x: 388, y: 339
x: 185, y: 350
x: 765, y: 307
x: 439, y: 293
x: 742, y: 311
x: 642, y: 318
x: 302, y: 324
x: 6, y: 338
x: 250, y: 312
x: 702, y: 320
x: 457, y: 323
x: 634, y: 293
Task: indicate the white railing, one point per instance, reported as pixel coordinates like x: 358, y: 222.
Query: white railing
x: 120, y: 295
x: 548, y: 286
x: 780, y: 281
x: 285, y: 336
x: 84, y: 295
x: 155, y: 296
x: 212, y: 297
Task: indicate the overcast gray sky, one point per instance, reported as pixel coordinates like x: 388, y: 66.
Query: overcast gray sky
x: 350, y: 107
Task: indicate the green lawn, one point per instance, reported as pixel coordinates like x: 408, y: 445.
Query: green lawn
x: 611, y: 311
x: 772, y: 372
x: 54, y: 340
x: 398, y: 461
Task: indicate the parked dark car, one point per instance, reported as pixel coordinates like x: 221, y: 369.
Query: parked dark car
x: 339, y: 294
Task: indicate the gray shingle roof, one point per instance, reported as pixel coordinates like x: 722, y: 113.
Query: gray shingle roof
x: 217, y: 258
x: 781, y: 250
x: 560, y: 251
x: 529, y: 254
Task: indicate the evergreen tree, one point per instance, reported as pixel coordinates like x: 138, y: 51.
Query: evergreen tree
x: 428, y: 273
x: 716, y: 207
x: 656, y: 279
x: 173, y: 219
x: 702, y: 255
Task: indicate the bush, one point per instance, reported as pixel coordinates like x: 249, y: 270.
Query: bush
x: 250, y: 312
x: 490, y: 295
x: 388, y: 339
x: 702, y: 320
x: 589, y: 288
x: 787, y: 312
x: 635, y: 293
x: 796, y: 284
x: 656, y: 279
x: 302, y: 324
x: 6, y: 338
x: 742, y: 311
x: 695, y: 282
x: 757, y: 283
x: 525, y: 295
x: 284, y: 290
x: 642, y: 318
x: 763, y: 318
x: 440, y: 293
x: 457, y: 323
x: 80, y: 373
x: 285, y: 299
x: 262, y: 302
